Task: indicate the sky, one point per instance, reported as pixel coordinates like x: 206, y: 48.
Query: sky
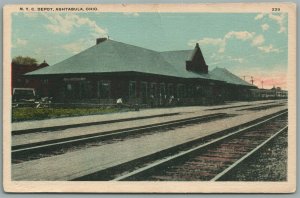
x: 247, y: 44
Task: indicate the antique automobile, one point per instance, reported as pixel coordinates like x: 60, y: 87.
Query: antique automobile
x: 24, y: 97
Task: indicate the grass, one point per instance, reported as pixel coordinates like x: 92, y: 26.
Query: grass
x: 28, y: 113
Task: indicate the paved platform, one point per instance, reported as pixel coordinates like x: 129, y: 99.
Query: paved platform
x: 86, y: 130
x: 16, y: 126
x: 75, y: 164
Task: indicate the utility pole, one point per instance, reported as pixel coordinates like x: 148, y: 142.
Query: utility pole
x: 262, y: 84
x: 252, y: 80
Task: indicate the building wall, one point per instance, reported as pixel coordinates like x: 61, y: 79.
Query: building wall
x: 21, y: 81
x: 134, y: 88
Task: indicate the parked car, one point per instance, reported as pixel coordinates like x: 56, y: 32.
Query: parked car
x: 23, y: 97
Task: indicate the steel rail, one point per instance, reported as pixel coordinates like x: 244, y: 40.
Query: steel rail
x: 160, y: 162
x: 68, y: 126
x: 122, y: 132
x: 224, y: 172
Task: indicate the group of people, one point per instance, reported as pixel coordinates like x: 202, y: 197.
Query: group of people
x: 163, y: 101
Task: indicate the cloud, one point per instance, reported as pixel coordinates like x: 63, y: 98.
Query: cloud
x: 222, y: 42
x: 223, y: 58
x: 241, y: 35
x: 20, y: 42
x: 75, y: 47
x: 259, y: 16
x: 207, y: 41
x: 268, y: 49
x: 135, y: 14
x: 219, y: 42
x: 60, y: 23
x: 30, y: 14
x: 255, y: 40
x: 239, y: 60
x: 265, y: 27
x: 258, y: 40
x: 277, y: 18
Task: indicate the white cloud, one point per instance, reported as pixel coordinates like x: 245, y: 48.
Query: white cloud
x: 278, y: 18
x: 66, y: 23
x: 30, y: 14
x: 136, y: 14
x: 251, y: 37
x: 207, y: 41
x: 75, y: 47
x: 268, y: 49
x: 241, y: 35
x: 259, y: 16
x: 239, y: 60
x: 265, y: 27
x: 223, y: 58
x: 258, y: 40
x: 221, y: 42
x: 21, y: 42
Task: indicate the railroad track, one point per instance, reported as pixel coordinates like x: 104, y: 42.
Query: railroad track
x: 26, y: 152
x: 260, y: 105
x: 209, y: 161
x: 259, y: 108
x: 63, y: 127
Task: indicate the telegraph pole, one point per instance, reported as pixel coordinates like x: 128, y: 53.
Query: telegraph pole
x: 252, y: 80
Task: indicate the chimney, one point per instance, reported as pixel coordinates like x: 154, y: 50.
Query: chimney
x: 100, y: 40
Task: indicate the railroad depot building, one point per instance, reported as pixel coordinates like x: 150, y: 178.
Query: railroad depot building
x: 110, y: 70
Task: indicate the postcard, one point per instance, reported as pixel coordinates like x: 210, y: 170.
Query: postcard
x: 156, y: 98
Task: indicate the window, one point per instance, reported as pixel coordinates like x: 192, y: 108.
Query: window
x: 72, y: 90
x: 104, y: 89
x: 144, y: 92
x: 162, y: 90
x: 86, y: 90
x: 69, y: 87
x: 153, y: 89
x: 180, y: 91
x: 132, y: 89
x: 190, y: 93
x: 170, y: 89
x: 76, y: 88
x: 199, y: 90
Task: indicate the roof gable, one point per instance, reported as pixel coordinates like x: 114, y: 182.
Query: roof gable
x: 196, y: 62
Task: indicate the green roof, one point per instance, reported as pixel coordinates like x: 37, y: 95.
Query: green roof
x: 112, y: 56
x: 178, y: 59
x: 225, y: 75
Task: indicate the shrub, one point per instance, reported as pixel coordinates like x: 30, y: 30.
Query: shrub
x: 28, y: 113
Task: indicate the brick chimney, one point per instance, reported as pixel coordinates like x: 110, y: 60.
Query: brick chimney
x: 100, y: 40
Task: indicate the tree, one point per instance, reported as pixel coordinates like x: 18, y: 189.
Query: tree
x: 20, y: 60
